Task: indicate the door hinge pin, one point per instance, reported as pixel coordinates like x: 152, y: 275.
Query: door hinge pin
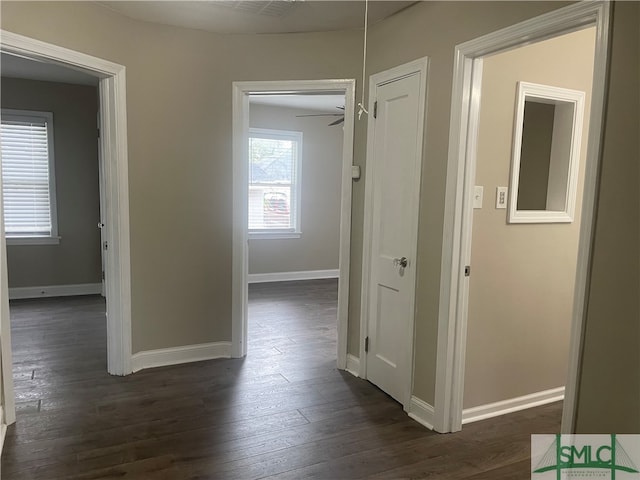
x: 366, y: 345
x: 375, y: 109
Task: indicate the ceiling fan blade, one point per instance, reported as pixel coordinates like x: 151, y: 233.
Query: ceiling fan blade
x: 322, y: 115
x: 337, y: 122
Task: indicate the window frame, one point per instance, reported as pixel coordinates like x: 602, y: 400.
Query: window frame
x: 296, y: 184
x: 53, y: 238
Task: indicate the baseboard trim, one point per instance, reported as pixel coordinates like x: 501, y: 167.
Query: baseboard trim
x: 55, y: 291
x: 292, y: 276
x: 353, y: 365
x: 511, y: 405
x: 421, y: 412
x: 176, y: 355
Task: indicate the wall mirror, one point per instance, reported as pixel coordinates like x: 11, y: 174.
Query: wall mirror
x: 546, y: 154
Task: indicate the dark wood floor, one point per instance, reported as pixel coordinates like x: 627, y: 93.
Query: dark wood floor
x: 282, y: 412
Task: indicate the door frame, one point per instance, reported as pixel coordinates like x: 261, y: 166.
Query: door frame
x: 456, y: 250
x: 419, y: 66
x: 240, y: 263
x: 113, y: 141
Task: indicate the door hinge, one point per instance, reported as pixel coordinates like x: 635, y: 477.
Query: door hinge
x: 375, y: 109
x: 98, y: 133
x: 103, y: 274
x: 366, y: 345
x: 467, y: 270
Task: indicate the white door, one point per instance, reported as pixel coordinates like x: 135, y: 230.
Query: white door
x: 101, y: 222
x: 394, y: 162
x: 7, y: 399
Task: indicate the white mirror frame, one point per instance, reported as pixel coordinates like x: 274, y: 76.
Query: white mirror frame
x: 546, y: 94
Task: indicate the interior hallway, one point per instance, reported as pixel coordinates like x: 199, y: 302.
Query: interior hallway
x: 282, y: 412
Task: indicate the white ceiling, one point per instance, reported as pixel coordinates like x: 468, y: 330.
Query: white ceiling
x: 312, y: 103
x: 18, y: 67
x: 253, y: 16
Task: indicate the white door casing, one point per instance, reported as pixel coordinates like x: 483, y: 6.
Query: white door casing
x: 241, y: 92
x: 394, y: 165
x: 456, y: 249
x: 114, y: 153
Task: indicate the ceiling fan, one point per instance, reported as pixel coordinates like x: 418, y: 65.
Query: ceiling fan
x: 337, y: 122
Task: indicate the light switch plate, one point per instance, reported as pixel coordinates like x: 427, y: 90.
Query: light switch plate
x: 501, y: 197
x: 478, y: 194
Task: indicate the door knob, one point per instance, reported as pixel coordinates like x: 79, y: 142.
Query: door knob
x: 401, y: 262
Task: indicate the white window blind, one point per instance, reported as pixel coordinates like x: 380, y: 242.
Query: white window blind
x: 274, y: 181
x: 27, y: 173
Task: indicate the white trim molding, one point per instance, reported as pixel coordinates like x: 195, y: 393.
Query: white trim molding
x: 353, y: 365
x: 177, y: 355
x: 240, y: 275
x: 55, y: 291
x: 456, y: 240
x: 511, y: 405
x: 292, y: 276
x: 564, y: 162
x: 421, y: 412
x: 114, y: 152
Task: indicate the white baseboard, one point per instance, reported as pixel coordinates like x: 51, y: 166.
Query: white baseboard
x: 353, y: 365
x: 421, y: 412
x: 512, y: 405
x: 176, y: 355
x: 55, y: 291
x: 291, y: 276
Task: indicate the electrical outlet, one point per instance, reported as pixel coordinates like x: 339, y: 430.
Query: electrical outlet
x: 501, y: 197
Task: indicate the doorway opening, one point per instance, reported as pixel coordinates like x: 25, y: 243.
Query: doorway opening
x: 462, y: 192
x: 270, y: 207
x: 295, y: 169
x: 114, y: 208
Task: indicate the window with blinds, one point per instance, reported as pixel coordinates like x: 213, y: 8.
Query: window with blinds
x: 26, y: 141
x: 274, y: 181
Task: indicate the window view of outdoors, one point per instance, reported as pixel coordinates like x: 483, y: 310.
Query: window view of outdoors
x: 272, y: 177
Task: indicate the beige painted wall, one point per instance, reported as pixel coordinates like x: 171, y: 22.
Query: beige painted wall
x: 426, y: 29
x: 523, y: 275
x: 318, y: 246
x: 180, y: 148
x: 76, y: 259
x: 609, y: 392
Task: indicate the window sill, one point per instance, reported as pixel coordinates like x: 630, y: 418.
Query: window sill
x: 33, y: 240
x: 273, y: 235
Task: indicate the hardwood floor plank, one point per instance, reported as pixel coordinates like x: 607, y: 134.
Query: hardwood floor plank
x: 285, y: 411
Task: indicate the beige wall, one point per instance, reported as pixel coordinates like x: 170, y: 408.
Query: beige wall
x: 426, y: 29
x: 523, y: 275
x: 318, y: 246
x: 76, y: 259
x: 609, y: 392
x: 180, y: 148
